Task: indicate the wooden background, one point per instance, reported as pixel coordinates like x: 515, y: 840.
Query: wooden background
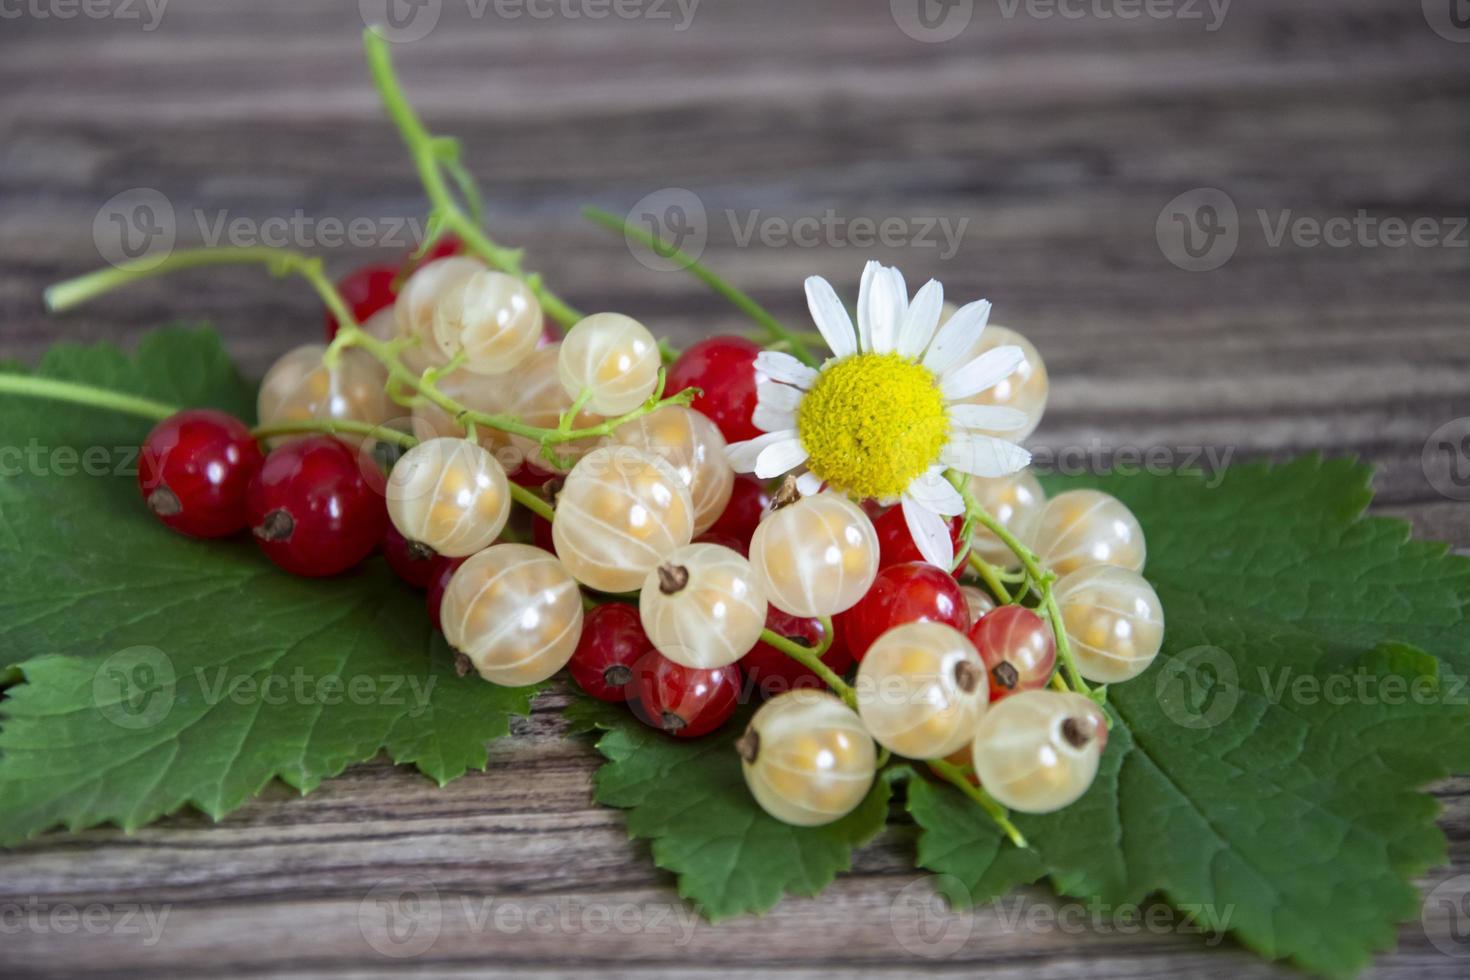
x: 1060, y: 141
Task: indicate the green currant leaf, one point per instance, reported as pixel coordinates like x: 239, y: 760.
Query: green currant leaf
x: 688, y: 798
x: 160, y: 671
x: 1264, y: 775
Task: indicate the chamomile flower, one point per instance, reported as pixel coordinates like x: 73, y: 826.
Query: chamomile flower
x: 887, y: 414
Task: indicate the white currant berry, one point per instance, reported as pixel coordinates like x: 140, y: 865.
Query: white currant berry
x: 806, y: 758
x: 382, y: 325
x: 815, y: 557
x: 1037, y: 751
x: 514, y: 612
x: 491, y: 319
x: 1114, y: 621
x: 978, y: 601
x: 692, y: 445
x: 538, y: 399
x: 299, y: 388
x: 619, y: 515
x: 1016, y: 502
x: 922, y: 689
x: 449, y: 495
x: 701, y: 607
x: 1087, y: 527
x: 612, y: 357
x: 413, y: 310
x: 492, y: 396
x: 1026, y: 390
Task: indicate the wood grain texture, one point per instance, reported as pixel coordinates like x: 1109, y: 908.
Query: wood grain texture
x: 1057, y: 141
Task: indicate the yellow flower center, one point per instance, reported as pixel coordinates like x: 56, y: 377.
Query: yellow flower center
x: 871, y: 423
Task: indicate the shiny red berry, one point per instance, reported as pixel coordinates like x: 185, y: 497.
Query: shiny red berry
x: 896, y: 543
x: 612, y: 643
x: 750, y: 500
x: 724, y: 369
x: 195, y: 469
x: 685, y: 702
x: 777, y: 673
x: 365, y: 290
x: 415, y: 563
x: 312, y: 509
x: 438, y: 584
x: 914, y: 592
x: 446, y: 246
x: 1018, y: 650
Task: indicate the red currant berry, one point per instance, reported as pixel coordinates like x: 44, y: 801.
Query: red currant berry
x: 443, y: 572
x: 685, y: 702
x: 896, y: 543
x: 312, y: 509
x: 725, y: 541
x: 777, y: 673
x: 750, y: 499
x: 723, y: 368
x: 550, y: 333
x: 612, y: 643
x: 445, y: 247
x: 1018, y: 650
x: 195, y: 469
x: 365, y: 290
x: 541, y: 535
x: 415, y: 563
x: 914, y: 592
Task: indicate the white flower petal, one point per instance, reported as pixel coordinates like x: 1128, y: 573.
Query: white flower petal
x: 778, y: 395
x: 933, y: 491
x: 780, y: 458
x: 768, y: 418
x: 958, y: 336
x: 986, y: 456
x: 830, y: 317
x: 871, y: 271
x: 930, y: 533
x: 886, y: 305
x: 988, y: 418
x: 985, y: 371
x: 742, y: 455
x: 785, y: 368
x: 920, y: 320
x: 809, y: 484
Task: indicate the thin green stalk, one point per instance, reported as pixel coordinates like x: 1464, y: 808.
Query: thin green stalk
x: 336, y: 427
x: 992, y: 581
x: 811, y: 659
x: 531, y: 501
x: 774, y: 329
x: 431, y: 157
x: 954, y: 774
x: 30, y: 386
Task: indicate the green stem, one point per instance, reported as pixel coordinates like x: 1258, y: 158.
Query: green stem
x: 954, y: 774
x: 430, y: 161
x: 774, y: 329
x: 531, y: 501
x: 992, y: 581
x: 336, y: 427
x: 811, y: 659
x: 30, y: 386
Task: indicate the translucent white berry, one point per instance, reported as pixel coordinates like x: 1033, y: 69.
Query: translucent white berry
x: 922, y: 689
x: 382, y: 325
x: 413, y: 310
x: 806, y: 758
x: 514, y: 612
x: 1025, y: 390
x: 449, y: 495
x: 613, y: 357
x: 619, y: 515
x: 491, y: 318
x: 1114, y: 621
x: 1037, y: 751
x: 538, y: 399
x: 816, y: 557
x: 701, y: 607
x: 299, y: 387
x: 1087, y: 527
x: 1016, y: 501
x: 692, y: 445
x: 978, y: 601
